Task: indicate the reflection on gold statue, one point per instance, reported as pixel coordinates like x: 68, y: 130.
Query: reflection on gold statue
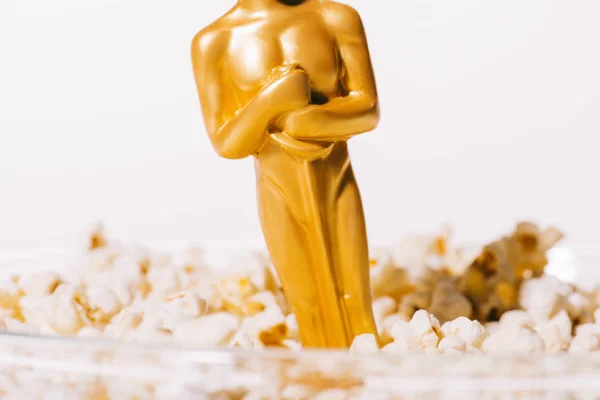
x: 289, y: 82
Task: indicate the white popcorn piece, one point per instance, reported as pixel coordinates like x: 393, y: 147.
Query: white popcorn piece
x: 584, y: 344
x: 243, y: 341
x: 411, y: 253
x: 365, y: 344
x: 164, y: 281
x: 210, y: 330
x: 256, y: 267
x: 423, y: 323
x: 232, y: 294
x: 42, y: 283
x: 260, y: 301
x: 401, y: 348
x: 553, y: 342
x: 388, y: 323
x: 492, y: 327
x: 430, y: 340
x: 103, y: 303
x: 587, y: 339
x: 269, y: 326
x: 514, y: 339
x: 36, y: 309
x: 425, y: 327
x: 452, y: 351
x: 556, y: 333
x: 383, y: 307
x: 431, y: 350
x: 516, y: 318
x: 67, y: 316
x: 579, y: 306
x: 473, y: 350
x: 452, y: 342
x: 405, y: 338
x: 123, y: 324
x: 564, y: 324
x: 543, y: 297
x: 471, y: 332
x: 181, y: 307
x: 587, y: 330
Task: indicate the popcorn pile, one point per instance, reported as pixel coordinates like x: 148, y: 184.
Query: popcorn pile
x: 428, y: 297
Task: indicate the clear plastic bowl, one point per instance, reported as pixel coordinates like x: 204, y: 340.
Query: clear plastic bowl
x: 38, y: 367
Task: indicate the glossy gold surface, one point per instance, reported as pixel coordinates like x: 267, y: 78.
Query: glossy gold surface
x: 289, y: 82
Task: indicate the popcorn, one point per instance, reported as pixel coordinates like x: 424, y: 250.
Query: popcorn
x: 164, y: 281
x: 41, y: 284
x: 514, y: 339
x: 448, y: 303
x: 59, y: 312
x: 128, y: 293
x: 424, y: 324
x: 243, y: 341
x: 543, y: 297
x: 405, y: 339
x: 387, y: 279
x: 413, y: 302
x: 553, y: 342
x: 420, y: 332
x: 210, y: 330
x: 454, y: 342
x: 233, y: 294
x: 89, y: 332
x: 181, y: 307
x: 587, y: 338
x: 580, y: 307
x: 472, y: 333
x: 260, y: 301
x: 517, y: 318
x: 365, y: 344
x: 124, y: 324
x: 383, y: 307
x: 9, y: 303
x: 386, y: 326
x: 267, y: 326
x: 102, y: 303
x: 556, y: 332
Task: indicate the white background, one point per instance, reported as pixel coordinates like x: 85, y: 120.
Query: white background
x: 490, y: 114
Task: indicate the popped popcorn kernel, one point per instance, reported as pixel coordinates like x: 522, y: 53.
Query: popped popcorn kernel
x: 514, y: 339
x: 268, y: 326
x: 470, y: 332
x: 210, y: 330
x: 364, y: 344
x: 179, y: 307
x: 41, y: 283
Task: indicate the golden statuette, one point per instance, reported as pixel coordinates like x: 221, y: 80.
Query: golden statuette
x: 289, y: 82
